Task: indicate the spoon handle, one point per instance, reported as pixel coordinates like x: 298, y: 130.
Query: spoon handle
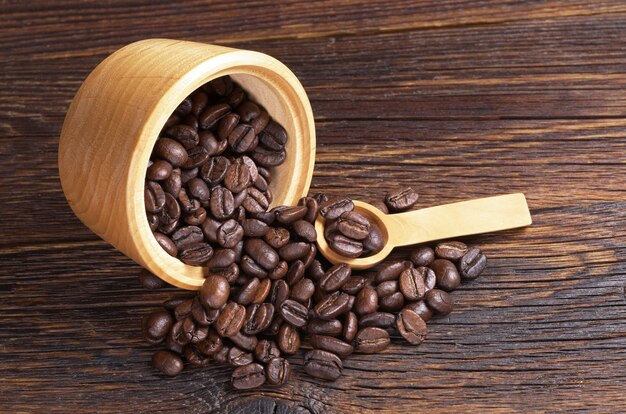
x: 483, y: 215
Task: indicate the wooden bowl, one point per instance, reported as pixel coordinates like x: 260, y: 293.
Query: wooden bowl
x: 117, y: 114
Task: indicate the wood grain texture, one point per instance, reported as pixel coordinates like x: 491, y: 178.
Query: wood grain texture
x: 461, y: 99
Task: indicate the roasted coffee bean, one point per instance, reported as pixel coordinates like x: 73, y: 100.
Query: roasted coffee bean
x: 265, y: 350
x: 251, y: 268
x: 371, y: 340
x: 199, y: 332
x: 196, y: 218
x: 230, y: 319
x: 187, y: 204
x: 421, y: 309
x: 401, y: 199
x: 200, y: 315
x: 290, y: 215
x: 222, y: 258
x: 154, y: 197
x: 439, y: 301
x: 333, y: 306
x: 448, y: 277
x: 277, y: 237
x: 379, y: 205
x: 303, y: 290
x: 346, y: 246
x: 237, y: 177
x: 353, y: 285
x: 159, y: 170
x: 167, y: 363
x: 430, y: 279
x: 210, y: 228
x: 221, y: 356
x: 366, y: 301
x: 423, y: 256
x: 153, y: 221
x: 214, y: 170
x: 295, y: 273
x: 392, y: 270
x: 222, y: 203
x: 254, y: 228
x: 221, y: 86
x: 411, y: 326
x: 387, y: 288
x: 331, y: 327
x: 212, y: 344
x: 185, y: 134
x: 279, y: 271
x: 178, y: 335
x: 173, y: 183
x: 375, y: 241
x: 280, y: 292
x: 229, y: 234
x: 331, y: 344
x: 353, y: 225
x: 242, y: 138
x: 412, y: 284
x: 256, y: 202
x: 170, y: 150
x: 262, y: 291
x: 310, y: 256
x: 316, y: 271
x: 312, y: 208
x: 150, y: 281
x: 166, y: 243
x: 238, y: 357
x: 195, y: 357
x: 247, y: 293
x: 335, y: 207
x: 305, y: 230
x: 262, y: 253
x: 350, y: 326
x: 183, y: 310
x: 172, y: 304
x: 213, y: 146
x: 212, y: 114
x: 156, y: 325
x: 392, y: 302
x: 248, y: 376
x: 166, y: 224
x: 266, y: 217
x: 248, y: 111
x: 294, y: 312
x: 236, y: 97
x: 322, y: 364
x: 214, y: 292
x: 183, y: 108
x: 258, y: 318
x: 186, y: 237
x: 294, y: 251
x: 226, y: 125
x: 188, y: 174
x: 172, y: 345
x: 450, y: 250
x: 260, y: 122
x: 335, y: 277
x: 278, y: 371
x: 231, y: 273
x: 273, y: 137
x: 199, y: 101
x: 472, y: 263
x: 246, y: 342
x: 288, y: 339
x: 268, y: 158
x: 171, y: 121
x: 196, y: 157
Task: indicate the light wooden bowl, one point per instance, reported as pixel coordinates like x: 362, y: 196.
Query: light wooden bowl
x: 118, y: 112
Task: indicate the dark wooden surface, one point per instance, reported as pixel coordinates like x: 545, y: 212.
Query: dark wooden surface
x: 459, y: 99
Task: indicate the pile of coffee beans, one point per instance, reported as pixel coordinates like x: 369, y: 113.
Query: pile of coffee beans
x: 209, y: 175
x: 352, y: 234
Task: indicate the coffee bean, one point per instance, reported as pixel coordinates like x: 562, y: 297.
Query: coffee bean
x: 315, y: 271
x: 371, y: 340
x: 158, y: 171
x: 170, y: 150
x: 236, y: 97
x: 187, y: 204
x: 256, y: 202
x: 331, y: 344
x: 172, y: 304
x: 242, y: 139
x: 154, y: 197
x: 392, y: 302
x: 173, y: 183
x: 153, y: 221
x: 222, y: 203
x: 150, y: 281
x: 221, y: 356
x: 166, y: 243
x: 440, y: 301
x: 379, y: 205
x: 291, y: 214
x: 312, y: 208
x: 421, y: 309
x: 423, y: 256
x: 200, y: 315
x: 182, y: 310
x: 346, y: 246
x: 262, y: 253
x: 196, y: 254
x: 280, y: 292
x: 172, y: 120
x: 214, y: 292
x: 212, y: 114
x: 375, y: 241
x: 288, y: 339
x: 221, y: 86
x: 448, y: 277
x: 350, y: 326
x: 230, y: 273
x: 265, y: 350
x: 248, y: 376
x: 237, y: 177
x: 262, y: 291
x: 335, y: 277
x: 277, y: 237
x: 187, y: 174
x: 335, y: 207
x: 279, y: 271
x: 323, y: 364
x: 278, y: 371
x: 254, y: 228
x: 274, y: 137
x: 303, y: 290
x: 248, y: 111
x: 411, y: 326
x: 430, y: 279
x: 238, y: 357
x: 229, y: 234
x: 214, y: 170
x: 392, y: 270
x: 294, y: 251
x: 230, y: 320
x: 258, y: 318
x: 450, y: 250
x: 387, y: 288
x: 353, y: 225
x: 412, y: 284
x: 251, y: 268
x: 178, y: 335
x: 195, y: 218
x: 213, y: 146
x: 183, y: 108
x: 156, y: 325
x: 366, y: 301
x: 245, y: 342
x: 401, y: 199
x: 353, y: 285
x: 294, y: 312
x: 222, y: 258
x: 186, y: 237
x: 226, y: 125
x: 332, y: 327
x: 333, y: 306
x: 212, y: 344
x: 167, y: 363
x: 472, y: 263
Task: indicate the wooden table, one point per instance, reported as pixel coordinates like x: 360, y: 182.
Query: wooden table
x: 458, y: 99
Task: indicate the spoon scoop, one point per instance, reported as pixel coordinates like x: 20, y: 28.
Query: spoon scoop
x: 483, y: 215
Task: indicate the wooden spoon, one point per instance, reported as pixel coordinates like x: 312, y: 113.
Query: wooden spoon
x: 483, y: 215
